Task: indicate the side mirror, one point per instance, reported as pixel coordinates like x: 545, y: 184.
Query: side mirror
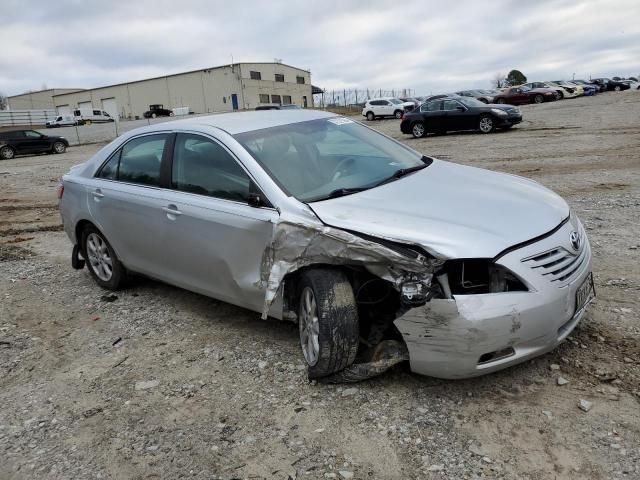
x: 255, y: 200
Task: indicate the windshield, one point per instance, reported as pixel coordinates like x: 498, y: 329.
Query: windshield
x: 311, y: 160
x: 471, y: 102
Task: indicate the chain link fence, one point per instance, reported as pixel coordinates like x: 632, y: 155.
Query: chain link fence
x: 353, y: 99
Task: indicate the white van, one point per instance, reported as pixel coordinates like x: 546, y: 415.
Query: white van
x: 62, y: 121
x: 92, y: 116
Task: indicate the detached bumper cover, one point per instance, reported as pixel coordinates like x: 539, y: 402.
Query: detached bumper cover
x: 453, y: 338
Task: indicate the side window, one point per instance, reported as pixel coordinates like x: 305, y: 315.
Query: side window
x: 140, y: 160
x: 203, y: 166
x: 32, y: 134
x: 431, y: 106
x: 109, y: 170
x: 97, y: 112
x: 450, y: 105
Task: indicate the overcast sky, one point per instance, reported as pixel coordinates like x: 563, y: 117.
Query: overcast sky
x: 429, y: 46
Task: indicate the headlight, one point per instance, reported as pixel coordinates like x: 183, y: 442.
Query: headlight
x: 497, y: 111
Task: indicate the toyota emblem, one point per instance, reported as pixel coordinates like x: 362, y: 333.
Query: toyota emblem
x: 574, y: 238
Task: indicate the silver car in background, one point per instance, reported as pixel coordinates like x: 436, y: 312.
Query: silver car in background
x: 380, y: 254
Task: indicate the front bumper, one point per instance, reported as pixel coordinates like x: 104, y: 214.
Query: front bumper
x: 512, y: 119
x: 472, y: 335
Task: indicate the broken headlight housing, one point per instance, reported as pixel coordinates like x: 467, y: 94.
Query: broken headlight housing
x: 477, y: 276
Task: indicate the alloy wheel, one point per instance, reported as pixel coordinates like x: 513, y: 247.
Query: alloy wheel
x: 59, y: 147
x: 99, y: 257
x: 486, y: 124
x: 418, y: 130
x: 6, y: 153
x: 309, y: 327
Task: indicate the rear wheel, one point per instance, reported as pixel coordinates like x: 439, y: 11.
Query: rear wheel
x: 7, y: 153
x: 103, y: 264
x: 370, y: 116
x: 398, y: 114
x: 417, y: 130
x: 486, y: 124
x: 538, y: 98
x: 328, y: 321
x: 59, y: 147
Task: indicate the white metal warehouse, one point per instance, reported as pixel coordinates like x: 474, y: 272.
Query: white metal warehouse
x: 218, y: 89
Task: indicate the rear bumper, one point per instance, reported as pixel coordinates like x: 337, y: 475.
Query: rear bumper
x: 472, y: 335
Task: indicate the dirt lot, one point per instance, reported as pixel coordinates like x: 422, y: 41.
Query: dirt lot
x: 157, y: 382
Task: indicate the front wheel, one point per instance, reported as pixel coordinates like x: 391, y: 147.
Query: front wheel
x: 370, y: 116
x: 171, y: 114
x: 501, y: 101
x: 328, y: 321
x: 398, y: 114
x: 486, y: 124
x: 59, y: 147
x: 153, y: 115
x: 418, y: 130
x: 7, y: 153
x: 617, y: 88
x: 102, y: 261
x: 538, y: 99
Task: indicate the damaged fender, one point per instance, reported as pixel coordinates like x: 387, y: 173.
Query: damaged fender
x: 299, y: 242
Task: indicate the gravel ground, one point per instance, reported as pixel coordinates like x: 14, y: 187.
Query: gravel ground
x: 157, y: 382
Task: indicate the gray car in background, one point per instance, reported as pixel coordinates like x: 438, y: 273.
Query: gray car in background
x: 378, y: 253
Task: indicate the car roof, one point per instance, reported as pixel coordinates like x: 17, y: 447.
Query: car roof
x: 240, y: 122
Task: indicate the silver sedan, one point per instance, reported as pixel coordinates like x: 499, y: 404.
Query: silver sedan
x: 380, y: 254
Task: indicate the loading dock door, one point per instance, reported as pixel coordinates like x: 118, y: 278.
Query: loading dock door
x: 110, y: 106
x: 64, y: 110
x: 86, y: 108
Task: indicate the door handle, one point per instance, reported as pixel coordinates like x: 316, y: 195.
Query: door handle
x: 171, y: 210
x: 97, y: 194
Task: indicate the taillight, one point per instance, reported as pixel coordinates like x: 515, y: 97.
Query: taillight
x: 60, y: 190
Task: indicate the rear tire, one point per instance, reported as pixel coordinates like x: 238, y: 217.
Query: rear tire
x: 58, y: 147
x: 418, y: 130
x: 7, y: 153
x: 328, y: 321
x: 398, y: 114
x: 101, y: 260
x: 370, y: 116
x: 486, y: 124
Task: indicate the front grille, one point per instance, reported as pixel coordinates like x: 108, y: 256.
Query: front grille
x: 559, y: 265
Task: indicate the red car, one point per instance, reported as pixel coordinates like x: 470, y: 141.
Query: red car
x: 522, y: 94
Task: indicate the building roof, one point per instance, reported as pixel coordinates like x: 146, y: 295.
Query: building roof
x: 75, y: 90
x: 186, y: 73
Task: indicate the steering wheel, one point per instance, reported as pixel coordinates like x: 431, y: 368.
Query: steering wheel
x: 336, y: 171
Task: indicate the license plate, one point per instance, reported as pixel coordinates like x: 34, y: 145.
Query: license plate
x: 585, y: 292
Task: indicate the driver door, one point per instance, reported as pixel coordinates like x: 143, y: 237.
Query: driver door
x: 34, y: 142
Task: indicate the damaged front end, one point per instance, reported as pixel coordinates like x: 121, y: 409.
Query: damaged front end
x: 401, y: 291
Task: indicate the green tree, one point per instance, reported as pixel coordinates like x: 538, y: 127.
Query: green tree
x: 516, y: 77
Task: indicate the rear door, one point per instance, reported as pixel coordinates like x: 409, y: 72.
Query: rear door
x: 126, y: 201
x: 433, y: 115
x: 215, y: 241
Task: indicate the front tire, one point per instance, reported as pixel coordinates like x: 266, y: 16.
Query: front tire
x: 328, y: 321
x: 418, y: 130
x: 7, y: 153
x: 59, y: 147
x: 486, y: 124
x: 538, y: 99
x: 153, y: 115
x: 398, y: 114
x: 102, y: 261
x: 501, y: 101
x: 617, y: 88
x: 370, y: 116
x: 171, y: 114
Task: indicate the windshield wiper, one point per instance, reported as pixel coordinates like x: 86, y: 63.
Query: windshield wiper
x: 401, y: 173
x: 341, y: 192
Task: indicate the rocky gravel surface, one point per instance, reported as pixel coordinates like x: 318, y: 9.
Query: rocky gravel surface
x: 156, y: 382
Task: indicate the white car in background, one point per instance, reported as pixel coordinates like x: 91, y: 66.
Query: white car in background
x: 570, y: 91
x: 92, y: 116
x: 62, y: 121
x: 385, y: 107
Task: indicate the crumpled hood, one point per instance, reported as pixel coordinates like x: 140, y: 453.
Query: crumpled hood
x: 453, y: 211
